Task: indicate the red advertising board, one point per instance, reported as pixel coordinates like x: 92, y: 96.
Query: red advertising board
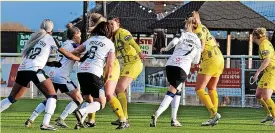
x: 12, y: 75
x: 231, y: 78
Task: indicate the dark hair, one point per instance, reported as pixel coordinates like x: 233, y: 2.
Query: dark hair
x: 103, y: 29
x: 115, y: 19
x: 71, y: 31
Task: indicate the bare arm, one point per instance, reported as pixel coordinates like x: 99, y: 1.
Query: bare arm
x: 65, y: 52
x: 262, y: 67
x: 78, y: 50
x: 264, y: 64
x: 109, y: 64
x: 68, y: 54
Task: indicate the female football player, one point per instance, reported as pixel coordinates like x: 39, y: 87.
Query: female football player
x: 266, y: 85
x: 35, y: 55
x: 211, y: 67
x: 60, y: 76
x: 130, y: 52
x: 96, y: 49
x: 187, y: 51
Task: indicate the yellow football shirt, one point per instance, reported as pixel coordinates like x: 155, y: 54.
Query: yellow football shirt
x: 126, y: 47
x: 210, y: 47
x: 266, y: 50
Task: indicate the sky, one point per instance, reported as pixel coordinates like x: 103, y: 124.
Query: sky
x: 31, y: 13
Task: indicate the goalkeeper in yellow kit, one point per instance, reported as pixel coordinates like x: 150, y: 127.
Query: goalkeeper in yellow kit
x: 131, y: 55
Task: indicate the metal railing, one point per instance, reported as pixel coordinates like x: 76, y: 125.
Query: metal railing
x: 242, y: 64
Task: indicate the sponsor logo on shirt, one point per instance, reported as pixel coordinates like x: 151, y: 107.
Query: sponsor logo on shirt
x: 128, y: 38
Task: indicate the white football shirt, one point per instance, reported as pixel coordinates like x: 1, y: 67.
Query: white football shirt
x: 97, y: 48
x: 187, y: 51
x: 61, y: 75
x: 38, y: 55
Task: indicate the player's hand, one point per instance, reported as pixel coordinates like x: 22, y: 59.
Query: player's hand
x: 161, y: 50
x: 142, y: 55
x: 255, y: 77
x: 82, y: 59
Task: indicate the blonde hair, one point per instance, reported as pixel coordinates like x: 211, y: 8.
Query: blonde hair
x: 259, y: 33
x: 45, y: 26
x: 189, y: 23
x: 96, y: 18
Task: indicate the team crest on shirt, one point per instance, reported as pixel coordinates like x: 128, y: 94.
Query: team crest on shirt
x: 265, y: 53
x: 128, y: 37
x: 127, y: 72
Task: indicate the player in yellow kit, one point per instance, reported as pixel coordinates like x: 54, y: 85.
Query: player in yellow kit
x: 110, y: 83
x: 266, y: 85
x: 130, y: 52
x: 211, y: 67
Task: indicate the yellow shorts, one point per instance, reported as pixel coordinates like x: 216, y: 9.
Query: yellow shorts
x: 115, y: 73
x: 132, y: 69
x: 267, y: 81
x: 212, y: 67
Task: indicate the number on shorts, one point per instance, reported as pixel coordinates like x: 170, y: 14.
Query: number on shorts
x: 92, y: 52
x: 34, y: 52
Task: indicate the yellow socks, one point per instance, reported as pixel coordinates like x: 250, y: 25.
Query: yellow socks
x: 116, y: 106
x: 91, y: 117
x: 206, y: 100
x: 123, y: 101
x: 214, y: 98
x: 271, y: 106
x: 264, y: 106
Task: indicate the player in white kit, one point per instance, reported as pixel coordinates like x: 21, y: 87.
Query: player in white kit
x: 97, y: 48
x: 61, y: 81
x: 187, y: 51
x: 35, y: 55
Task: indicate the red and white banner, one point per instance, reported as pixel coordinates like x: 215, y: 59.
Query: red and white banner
x: 12, y: 76
x: 146, y: 45
x: 230, y: 78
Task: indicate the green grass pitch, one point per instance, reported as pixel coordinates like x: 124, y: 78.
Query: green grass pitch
x: 242, y: 120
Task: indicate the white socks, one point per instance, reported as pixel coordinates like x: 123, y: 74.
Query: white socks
x: 91, y: 108
x: 68, y: 110
x: 5, y: 103
x: 164, y: 105
x: 49, y: 110
x: 38, y: 110
x: 175, y: 106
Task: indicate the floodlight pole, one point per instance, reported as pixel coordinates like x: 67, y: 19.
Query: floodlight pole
x: 85, y: 25
x: 104, y: 9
